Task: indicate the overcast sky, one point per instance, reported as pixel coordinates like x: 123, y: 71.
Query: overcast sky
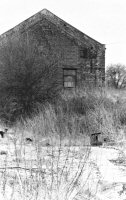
x: 103, y: 20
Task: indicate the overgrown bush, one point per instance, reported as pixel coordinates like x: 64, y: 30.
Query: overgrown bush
x: 78, y: 103
x: 28, y: 79
x: 81, y: 105
x: 76, y: 116
x: 119, y: 113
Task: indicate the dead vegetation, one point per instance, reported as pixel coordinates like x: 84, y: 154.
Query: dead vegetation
x: 47, y: 156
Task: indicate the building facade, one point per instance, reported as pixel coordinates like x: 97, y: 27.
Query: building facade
x: 81, y: 59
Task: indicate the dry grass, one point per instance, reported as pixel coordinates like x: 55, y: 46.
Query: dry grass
x: 78, y: 114
x: 36, y: 172
x: 55, y: 163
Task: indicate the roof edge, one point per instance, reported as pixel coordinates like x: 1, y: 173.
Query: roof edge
x: 49, y: 15
x: 46, y: 12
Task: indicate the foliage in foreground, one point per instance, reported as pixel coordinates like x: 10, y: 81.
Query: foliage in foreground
x: 62, y: 170
x: 27, y: 79
x: 77, y: 115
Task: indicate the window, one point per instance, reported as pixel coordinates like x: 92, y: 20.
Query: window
x: 83, y: 52
x: 93, y: 53
x: 69, y: 78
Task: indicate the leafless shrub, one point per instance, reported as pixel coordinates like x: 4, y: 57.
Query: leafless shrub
x: 28, y: 80
x: 116, y: 76
x: 61, y: 170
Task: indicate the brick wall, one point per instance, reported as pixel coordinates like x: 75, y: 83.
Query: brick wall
x: 65, y: 49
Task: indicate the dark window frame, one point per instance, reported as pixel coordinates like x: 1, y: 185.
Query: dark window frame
x: 74, y: 76
x: 83, y: 52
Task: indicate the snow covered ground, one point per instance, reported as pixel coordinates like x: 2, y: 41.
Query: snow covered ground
x: 67, y: 173
x: 113, y: 177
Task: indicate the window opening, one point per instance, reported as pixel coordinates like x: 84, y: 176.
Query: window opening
x: 69, y: 78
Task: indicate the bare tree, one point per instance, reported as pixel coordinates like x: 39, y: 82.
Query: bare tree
x: 116, y: 76
x: 27, y: 78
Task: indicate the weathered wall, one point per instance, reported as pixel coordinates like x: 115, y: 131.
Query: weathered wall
x: 51, y: 40
x: 66, y: 51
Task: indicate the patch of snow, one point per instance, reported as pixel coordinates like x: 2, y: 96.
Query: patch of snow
x: 109, y: 171
x: 104, y: 179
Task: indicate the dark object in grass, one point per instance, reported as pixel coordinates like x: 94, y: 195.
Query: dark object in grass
x: 29, y: 140
x: 95, y: 139
x: 47, y: 144
x: 2, y: 133
x: 96, y: 144
x: 118, y: 162
x: 106, y: 139
x: 3, y: 153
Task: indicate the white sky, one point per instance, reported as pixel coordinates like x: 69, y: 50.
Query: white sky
x: 103, y: 20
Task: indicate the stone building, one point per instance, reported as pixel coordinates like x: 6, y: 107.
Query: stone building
x: 81, y: 59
